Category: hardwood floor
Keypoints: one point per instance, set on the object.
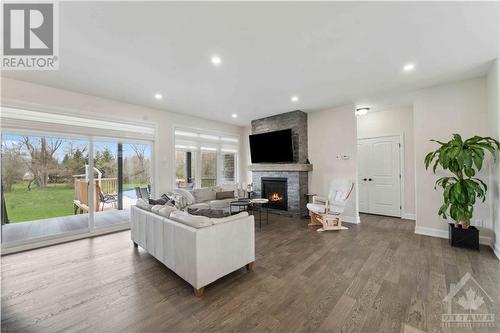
(375, 277)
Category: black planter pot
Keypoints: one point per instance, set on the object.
(466, 238)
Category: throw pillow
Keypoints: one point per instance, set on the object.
(143, 204)
(166, 211)
(230, 187)
(186, 194)
(204, 194)
(224, 195)
(169, 200)
(160, 201)
(156, 208)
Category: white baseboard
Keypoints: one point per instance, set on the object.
(433, 232)
(409, 216)
(351, 219)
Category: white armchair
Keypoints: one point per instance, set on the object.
(334, 204)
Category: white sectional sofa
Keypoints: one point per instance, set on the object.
(206, 197)
(200, 253)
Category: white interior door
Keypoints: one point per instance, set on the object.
(379, 176)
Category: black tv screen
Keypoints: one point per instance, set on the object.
(272, 147)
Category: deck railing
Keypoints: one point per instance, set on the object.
(105, 185)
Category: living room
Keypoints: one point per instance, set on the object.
(252, 167)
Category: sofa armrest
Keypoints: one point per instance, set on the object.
(224, 248)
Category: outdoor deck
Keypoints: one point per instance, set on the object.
(26, 231)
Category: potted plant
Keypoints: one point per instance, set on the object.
(464, 159)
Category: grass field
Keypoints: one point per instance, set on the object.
(23, 205)
(53, 201)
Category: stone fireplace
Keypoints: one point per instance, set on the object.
(284, 184)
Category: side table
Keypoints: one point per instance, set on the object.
(261, 203)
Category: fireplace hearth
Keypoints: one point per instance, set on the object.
(276, 190)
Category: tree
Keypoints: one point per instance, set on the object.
(105, 162)
(74, 162)
(139, 164)
(42, 163)
(13, 168)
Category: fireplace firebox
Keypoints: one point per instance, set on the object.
(276, 190)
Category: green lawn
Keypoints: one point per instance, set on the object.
(53, 201)
(23, 205)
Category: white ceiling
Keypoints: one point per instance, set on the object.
(325, 53)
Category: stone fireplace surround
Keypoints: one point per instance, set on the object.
(296, 173)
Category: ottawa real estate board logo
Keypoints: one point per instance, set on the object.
(30, 36)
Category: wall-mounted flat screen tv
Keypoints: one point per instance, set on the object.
(272, 147)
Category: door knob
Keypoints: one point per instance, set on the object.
(364, 179)
(369, 179)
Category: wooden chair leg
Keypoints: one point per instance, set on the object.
(198, 292)
(250, 266)
(314, 220)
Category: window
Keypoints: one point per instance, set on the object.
(184, 169)
(228, 167)
(208, 168)
(204, 159)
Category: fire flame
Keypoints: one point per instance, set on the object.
(275, 197)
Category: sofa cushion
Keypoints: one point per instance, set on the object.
(166, 210)
(201, 205)
(229, 218)
(204, 194)
(224, 195)
(143, 204)
(212, 213)
(220, 204)
(190, 220)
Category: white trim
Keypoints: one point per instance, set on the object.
(63, 239)
(351, 219)
(440, 233)
(409, 216)
(46, 120)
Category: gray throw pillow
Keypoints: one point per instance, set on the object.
(224, 195)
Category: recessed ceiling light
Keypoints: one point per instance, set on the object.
(234, 115)
(361, 111)
(216, 60)
(409, 67)
(295, 99)
(158, 96)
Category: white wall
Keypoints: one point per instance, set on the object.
(440, 111)
(493, 86)
(34, 96)
(395, 121)
(332, 132)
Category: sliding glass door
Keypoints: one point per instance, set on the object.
(56, 185)
(42, 189)
(137, 172)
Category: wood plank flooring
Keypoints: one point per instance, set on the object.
(375, 277)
